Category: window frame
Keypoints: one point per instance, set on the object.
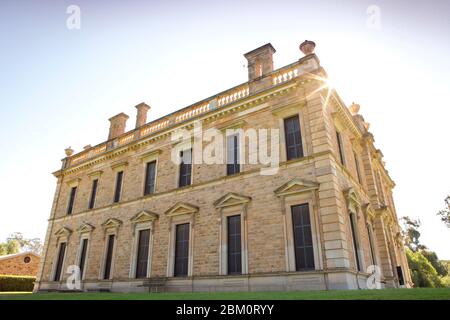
(72, 198)
(299, 199)
(56, 261)
(302, 147)
(80, 255)
(238, 148)
(191, 180)
(118, 189)
(93, 195)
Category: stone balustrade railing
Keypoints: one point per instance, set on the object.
(233, 95)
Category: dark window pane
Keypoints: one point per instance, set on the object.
(233, 155)
(118, 191)
(355, 241)
(358, 173)
(84, 245)
(150, 178)
(185, 168)
(73, 193)
(181, 250)
(340, 147)
(372, 248)
(401, 281)
(60, 261)
(234, 245)
(109, 254)
(142, 254)
(303, 245)
(294, 148)
(93, 194)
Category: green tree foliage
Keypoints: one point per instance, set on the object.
(9, 247)
(426, 269)
(33, 245)
(422, 271)
(439, 266)
(445, 214)
(17, 242)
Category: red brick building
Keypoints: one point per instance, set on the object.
(21, 264)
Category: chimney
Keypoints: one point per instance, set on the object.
(141, 117)
(117, 127)
(260, 61)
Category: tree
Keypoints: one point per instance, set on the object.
(411, 234)
(423, 273)
(445, 214)
(16, 242)
(9, 247)
(437, 264)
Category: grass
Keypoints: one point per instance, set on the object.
(385, 294)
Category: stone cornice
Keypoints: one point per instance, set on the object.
(252, 100)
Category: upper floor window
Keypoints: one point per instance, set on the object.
(119, 182)
(185, 168)
(93, 193)
(233, 165)
(150, 175)
(340, 147)
(294, 148)
(358, 173)
(73, 193)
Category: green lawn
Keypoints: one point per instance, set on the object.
(385, 294)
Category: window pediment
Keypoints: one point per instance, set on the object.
(63, 232)
(353, 201)
(144, 216)
(85, 227)
(181, 208)
(111, 223)
(296, 185)
(231, 199)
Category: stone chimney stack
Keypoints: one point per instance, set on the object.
(141, 117)
(118, 124)
(260, 61)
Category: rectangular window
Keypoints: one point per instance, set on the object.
(93, 194)
(358, 173)
(142, 253)
(150, 171)
(181, 250)
(60, 261)
(109, 256)
(118, 191)
(401, 280)
(233, 155)
(185, 168)
(234, 245)
(84, 245)
(294, 148)
(340, 147)
(371, 244)
(355, 241)
(73, 193)
(303, 245)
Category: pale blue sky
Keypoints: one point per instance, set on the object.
(58, 87)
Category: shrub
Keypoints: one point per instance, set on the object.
(16, 283)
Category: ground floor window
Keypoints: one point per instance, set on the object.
(234, 245)
(181, 250)
(303, 243)
(60, 261)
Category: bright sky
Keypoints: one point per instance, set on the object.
(58, 86)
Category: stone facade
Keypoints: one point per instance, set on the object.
(341, 183)
(20, 264)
